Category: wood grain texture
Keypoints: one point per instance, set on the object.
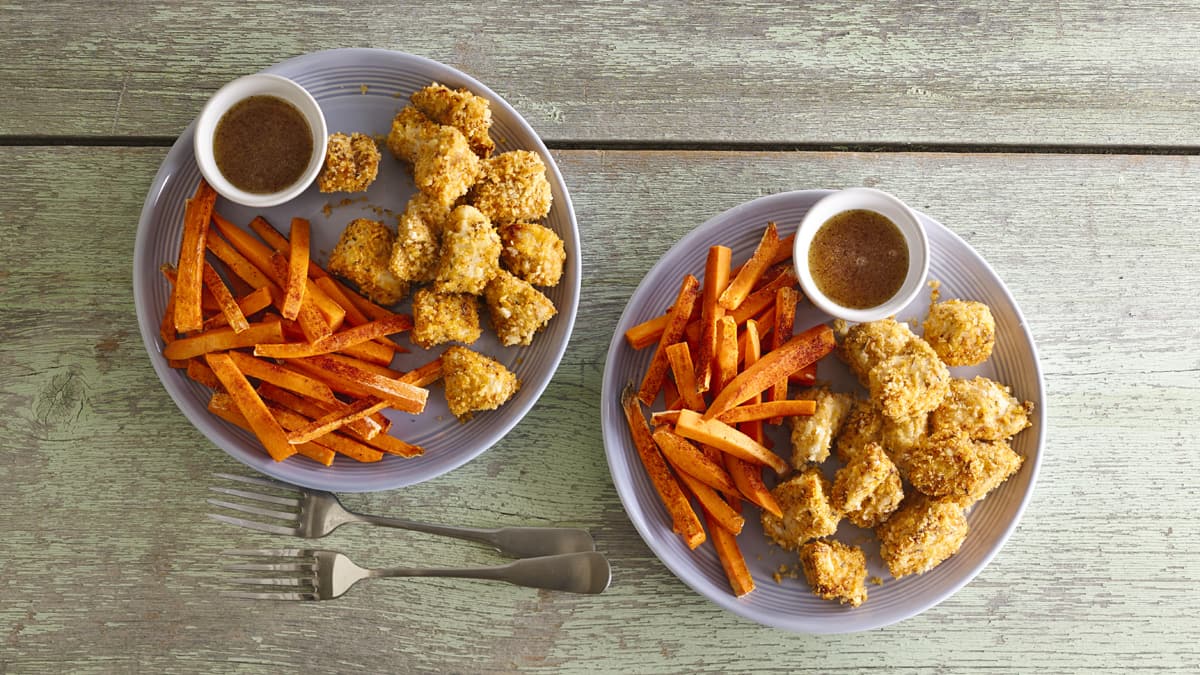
(107, 563)
(1075, 72)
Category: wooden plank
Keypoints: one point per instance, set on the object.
(1082, 72)
(108, 563)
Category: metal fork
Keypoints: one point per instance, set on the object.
(318, 513)
(310, 574)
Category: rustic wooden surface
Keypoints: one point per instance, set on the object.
(106, 560)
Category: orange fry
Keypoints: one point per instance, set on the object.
(794, 354)
(368, 366)
(680, 311)
(740, 287)
(685, 375)
(261, 421)
(686, 458)
(196, 215)
(222, 406)
(425, 375)
(716, 279)
(311, 321)
(646, 333)
(297, 269)
(762, 411)
(726, 363)
(731, 557)
(785, 319)
(365, 428)
(281, 376)
(198, 371)
(354, 315)
(339, 341)
(358, 382)
(229, 307)
(727, 439)
(711, 501)
(806, 376)
(344, 445)
(239, 264)
(336, 420)
(249, 304)
(764, 297)
(221, 339)
(395, 446)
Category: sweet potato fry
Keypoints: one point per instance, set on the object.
(222, 406)
(339, 341)
(394, 446)
(364, 305)
(249, 304)
(711, 501)
(190, 270)
(680, 359)
(340, 444)
(785, 318)
(646, 333)
(764, 297)
(368, 366)
(358, 382)
(221, 339)
(806, 376)
(297, 269)
(239, 264)
(354, 315)
(261, 421)
(680, 311)
(762, 411)
(794, 354)
(365, 428)
(281, 376)
(336, 420)
(783, 252)
(425, 375)
(740, 287)
(746, 476)
(200, 372)
(229, 307)
(686, 458)
(310, 320)
(731, 557)
(683, 518)
(727, 439)
(750, 356)
(716, 279)
(726, 362)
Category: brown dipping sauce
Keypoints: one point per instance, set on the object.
(262, 144)
(858, 259)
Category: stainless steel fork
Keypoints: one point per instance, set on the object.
(310, 574)
(313, 513)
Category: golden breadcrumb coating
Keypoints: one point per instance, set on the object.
(868, 489)
(443, 165)
(835, 571)
(984, 409)
(470, 253)
(513, 188)
(807, 513)
(863, 426)
(813, 434)
(460, 109)
(962, 332)
(473, 382)
(518, 310)
(533, 252)
(444, 317)
(866, 344)
(418, 239)
(922, 534)
(909, 383)
(361, 257)
(351, 164)
(953, 465)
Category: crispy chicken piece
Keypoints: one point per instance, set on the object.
(518, 310)
(513, 188)
(909, 383)
(473, 382)
(953, 465)
(835, 571)
(470, 253)
(351, 164)
(444, 317)
(807, 513)
(863, 426)
(460, 109)
(418, 239)
(984, 409)
(868, 489)
(922, 534)
(533, 252)
(443, 165)
(866, 344)
(361, 257)
(962, 332)
(812, 435)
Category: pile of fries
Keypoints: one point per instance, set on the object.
(739, 326)
(318, 351)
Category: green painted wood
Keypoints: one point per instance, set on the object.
(107, 563)
(1078, 72)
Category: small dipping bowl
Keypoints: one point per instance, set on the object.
(890, 207)
(237, 91)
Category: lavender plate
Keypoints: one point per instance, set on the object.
(788, 603)
(360, 90)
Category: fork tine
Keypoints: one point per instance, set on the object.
(269, 513)
(270, 499)
(283, 581)
(264, 482)
(269, 596)
(271, 567)
(250, 524)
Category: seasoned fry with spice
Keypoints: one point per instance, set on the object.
(513, 188)
(962, 332)
(351, 164)
(835, 571)
(473, 382)
(361, 257)
(807, 513)
(461, 109)
(812, 436)
(444, 317)
(533, 252)
(518, 310)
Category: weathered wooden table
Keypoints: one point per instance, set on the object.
(1058, 141)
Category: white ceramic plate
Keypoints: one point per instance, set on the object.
(790, 604)
(360, 90)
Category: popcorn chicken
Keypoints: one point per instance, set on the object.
(351, 164)
(953, 465)
(513, 188)
(533, 252)
(962, 332)
(911, 382)
(444, 317)
(812, 435)
(518, 310)
(866, 344)
(863, 426)
(361, 257)
(984, 409)
(868, 488)
(473, 382)
(418, 239)
(443, 165)
(807, 514)
(921, 535)
(470, 253)
(461, 109)
(835, 571)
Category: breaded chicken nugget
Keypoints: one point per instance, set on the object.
(863, 426)
(473, 382)
(444, 317)
(351, 164)
(513, 188)
(922, 534)
(866, 344)
(835, 571)
(868, 489)
(533, 252)
(953, 465)
(470, 253)
(361, 257)
(418, 239)
(443, 165)
(911, 382)
(460, 109)
(518, 310)
(962, 332)
(984, 409)
(812, 435)
(807, 514)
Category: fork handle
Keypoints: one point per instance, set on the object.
(586, 572)
(517, 542)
